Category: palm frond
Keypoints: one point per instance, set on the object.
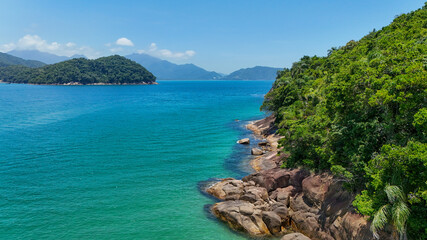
(400, 214)
(394, 193)
(380, 219)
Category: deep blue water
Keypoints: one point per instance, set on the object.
(120, 162)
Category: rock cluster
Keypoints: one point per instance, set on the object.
(272, 201)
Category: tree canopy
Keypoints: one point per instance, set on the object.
(110, 70)
(361, 113)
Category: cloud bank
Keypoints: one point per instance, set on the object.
(165, 53)
(34, 42)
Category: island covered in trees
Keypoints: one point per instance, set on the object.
(361, 113)
(80, 71)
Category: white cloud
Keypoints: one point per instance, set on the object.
(124, 42)
(70, 44)
(34, 42)
(166, 53)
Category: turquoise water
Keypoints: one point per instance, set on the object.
(120, 162)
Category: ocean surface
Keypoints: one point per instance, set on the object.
(120, 162)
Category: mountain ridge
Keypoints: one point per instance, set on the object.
(10, 60)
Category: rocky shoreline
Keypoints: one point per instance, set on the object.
(294, 203)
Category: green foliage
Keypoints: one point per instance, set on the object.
(396, 212)
(361, 113)
(111, 70)
(403, 166)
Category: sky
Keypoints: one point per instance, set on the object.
(218, 35)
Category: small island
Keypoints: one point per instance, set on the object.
(112, 70)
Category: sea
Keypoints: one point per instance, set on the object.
(121, 162)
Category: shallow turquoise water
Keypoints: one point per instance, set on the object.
(120, 162)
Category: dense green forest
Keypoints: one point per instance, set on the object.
(361, 113)
(109, 70)
(9, 60)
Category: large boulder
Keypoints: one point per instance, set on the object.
(267, 161)
(256, 151)
(241, 216)
(295, 236)
(227, 189)
(315, 188)
(244, 141)
(264, 126)
(283, 195)
(254, 194)
(273, 222)
(278, 178)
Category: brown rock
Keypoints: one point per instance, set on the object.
(256, 151)
(227, 189)
(281, 210)
(244, 141)
(230, 212)
(264, 126)
(273, 221)
(277, 178)
(295, 236)
(315, 188)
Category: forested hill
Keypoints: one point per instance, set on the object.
(255, 73)
(361, 113)
(9, 60)
(106, 70)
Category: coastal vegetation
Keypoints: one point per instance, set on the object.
(106, 70)
(361, 113)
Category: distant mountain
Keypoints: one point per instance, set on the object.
(166, 70)
(255, 73)
(41, 56)
(106, 70)
(9, 60)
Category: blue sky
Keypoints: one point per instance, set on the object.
(217, 35)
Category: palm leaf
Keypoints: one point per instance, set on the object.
(394, 193)
(380, 219)
(400, 214)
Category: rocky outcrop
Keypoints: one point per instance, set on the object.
(263, 127)
(269, 202)
(273, 201)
